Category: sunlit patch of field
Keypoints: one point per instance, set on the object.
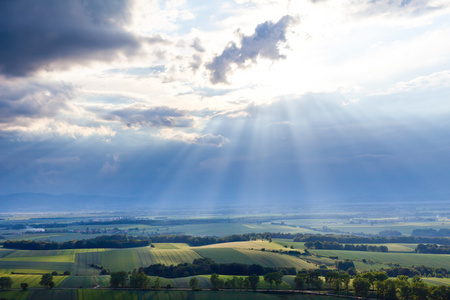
(170, 246)
(264, 258)
(271, 259)
(42, 266)
(246, 245)
(53, 258)
(33, 280)
(436, 281)
(288, 243)
(175, 256)
(76, 251)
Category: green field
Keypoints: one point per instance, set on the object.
(174, 256)
(119, 260)
(264, 258)
(436, 281)
(85, 281)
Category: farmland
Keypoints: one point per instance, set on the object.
(84, 265)
(92, 294)
(404, 259)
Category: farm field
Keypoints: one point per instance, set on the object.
(264, 258)
(85, 281)
(436, 281)
(404, 259)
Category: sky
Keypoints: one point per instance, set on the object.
(226, 102)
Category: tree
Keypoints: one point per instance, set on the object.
(118, 279)
(246, 283)
(253, 279)
(216, 282)
(240, 282)
(361, 286)
(278, 279)
(51, 285)
(419, 288)
(24, 286)
(299, 281)
(139, 281)
(404, 287)
(46, 280)
(346, 281)
(269, 278)
(157, 283)
(193, 283)
(5, 282)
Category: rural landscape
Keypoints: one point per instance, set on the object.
(228, 149)
(322, 254)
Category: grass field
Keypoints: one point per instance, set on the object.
(43, 267)
(175, 256)
(289, 243)
(437, 281)
(85, 281)
(225, 255)
(52, 258)
(247, 245)
(119, 260)
(264, 258)
(83, 260)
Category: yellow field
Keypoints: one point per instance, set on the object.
(256, 245)
(54, 258)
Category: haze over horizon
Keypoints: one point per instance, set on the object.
(226, 102)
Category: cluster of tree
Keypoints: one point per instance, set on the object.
(351, 247)
(103, 270)
(105, 241)
(201, 241)
(430, 232)
(137, 280)
(398, 288)
(354, 239)
(346, 265)
(246, 283)
(390, 233)
(416, 271)
(309, 280)
(208, 266)
(433, 248)
(47, 281)
(5, 282)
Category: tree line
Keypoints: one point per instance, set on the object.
(338, 246)
(430, 232)
(433, 248)
(105, 241)
(354, 239)
(203, 266)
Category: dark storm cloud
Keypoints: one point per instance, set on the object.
(162, 116)
(262, 43)
(37, 34)
(32, 100)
